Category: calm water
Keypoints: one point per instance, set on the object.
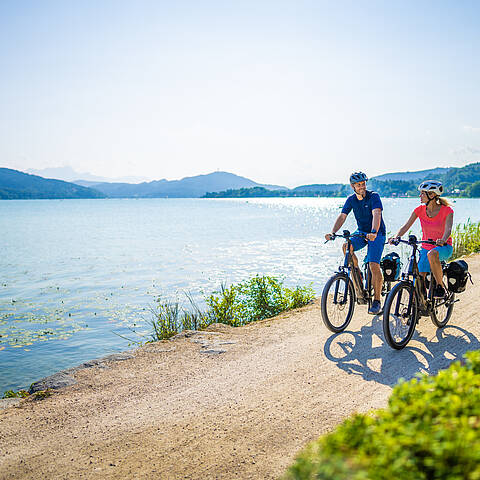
(76, 274)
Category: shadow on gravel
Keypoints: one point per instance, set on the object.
(366, 353)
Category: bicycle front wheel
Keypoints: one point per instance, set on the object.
(338, 303)
(400, 315)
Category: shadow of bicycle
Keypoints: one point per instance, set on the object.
(366, 353)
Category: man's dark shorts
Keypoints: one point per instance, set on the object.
(374, 249)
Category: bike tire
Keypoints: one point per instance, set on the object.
(398, 324)
(440, 317)
(342, 311)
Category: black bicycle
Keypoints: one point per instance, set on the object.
(411, 298)
(345, 288)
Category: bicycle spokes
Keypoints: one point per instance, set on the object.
(338, 302)
(400, 314)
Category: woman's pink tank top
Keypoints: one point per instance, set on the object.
(433, 228)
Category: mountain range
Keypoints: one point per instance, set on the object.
(188, 187)
(16, 185)
(20, 185)
(68, 174)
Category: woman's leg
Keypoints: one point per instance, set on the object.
(436, 266)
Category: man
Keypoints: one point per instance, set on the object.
(367, 208)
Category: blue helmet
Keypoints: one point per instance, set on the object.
(358, 177)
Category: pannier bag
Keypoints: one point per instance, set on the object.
(457, 276)
(391, 266)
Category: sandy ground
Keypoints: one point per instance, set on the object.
(175, 412)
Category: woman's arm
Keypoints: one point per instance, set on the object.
(448, 229)
(407, 225)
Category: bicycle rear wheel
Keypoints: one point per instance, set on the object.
(400, 315)
(338, 302)
(442, 310)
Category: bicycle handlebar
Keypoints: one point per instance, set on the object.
(412, 240)
(346, 235)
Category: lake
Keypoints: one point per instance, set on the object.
(79, 275)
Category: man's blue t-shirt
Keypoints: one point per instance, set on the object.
(362, 209)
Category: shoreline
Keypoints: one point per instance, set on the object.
(223, 403)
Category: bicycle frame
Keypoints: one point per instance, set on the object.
(419, 288)
(352, 272)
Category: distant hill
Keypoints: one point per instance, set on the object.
(460, 178)
(316, 190)
(456, 180)
(68, 174)
(462, 181)
(188, 187)
(320, 188)
(432, 173)
(19, 185)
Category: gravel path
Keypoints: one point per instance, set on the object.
(228, 403)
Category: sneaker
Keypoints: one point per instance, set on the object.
(375, 307)
(439, 291)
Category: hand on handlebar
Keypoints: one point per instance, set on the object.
(440, 242)
(371, 236)
(329, 236)
(394, 240)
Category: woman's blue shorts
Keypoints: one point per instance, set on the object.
(374, 250)
(444, 253)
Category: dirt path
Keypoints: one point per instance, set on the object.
(175, 412)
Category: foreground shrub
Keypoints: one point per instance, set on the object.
(249, 301)
(466, 239)
(430, 430)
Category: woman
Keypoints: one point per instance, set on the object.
(436, 219)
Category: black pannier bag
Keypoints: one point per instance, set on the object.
(391, 266)
(457, 275)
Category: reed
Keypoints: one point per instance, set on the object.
(466, 239)
(252, 300)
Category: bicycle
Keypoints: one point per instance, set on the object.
(345, 288)
(411, 298)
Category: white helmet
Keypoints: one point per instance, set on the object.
(433, 186)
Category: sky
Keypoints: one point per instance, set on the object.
(286, 93)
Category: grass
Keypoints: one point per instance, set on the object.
(466, 239)
(238, 304)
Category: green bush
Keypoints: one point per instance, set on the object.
(430, 430)
(255, 299)
(466, 239)
(226, 307)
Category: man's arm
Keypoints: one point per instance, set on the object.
(377, 218)
(336, 226)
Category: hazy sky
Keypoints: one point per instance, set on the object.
(281, 92)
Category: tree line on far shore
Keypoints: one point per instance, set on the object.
(458, 182)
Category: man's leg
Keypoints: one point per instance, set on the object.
(377, 279)
(352, 252)
(374, 255)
